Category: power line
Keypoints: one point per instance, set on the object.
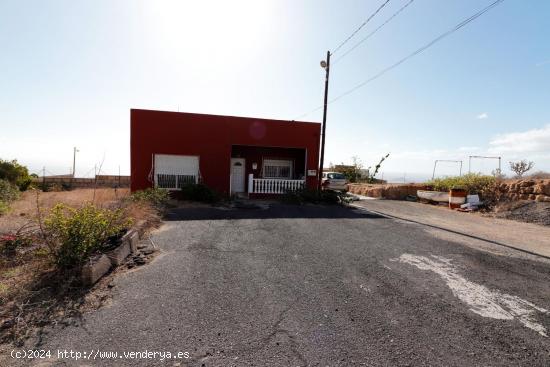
(420, 50)
(374, 31)
(361, 26)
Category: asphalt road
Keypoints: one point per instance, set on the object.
(320, 286)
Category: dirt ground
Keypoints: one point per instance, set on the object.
(32, 293)
(524, 211)
(527, 237)
(24, 210)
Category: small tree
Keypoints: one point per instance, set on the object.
(371, 176)
(520, 167)
(351, 172)
(15, 173)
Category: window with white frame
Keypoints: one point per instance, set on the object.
(173, 171)
(277, 168)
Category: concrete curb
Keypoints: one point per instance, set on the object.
(120, 253)
(132, 237)
(96, 268)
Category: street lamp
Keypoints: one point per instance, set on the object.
(325, 65)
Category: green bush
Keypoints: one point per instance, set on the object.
(474, 183)
(15, 173)
(155, 196)
(75, 234)
(3, 208)
(199, 192)
(8, 193)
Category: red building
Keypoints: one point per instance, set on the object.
(233, 155)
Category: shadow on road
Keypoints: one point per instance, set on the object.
(271, 212)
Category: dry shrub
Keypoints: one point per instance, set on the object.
(143, 212)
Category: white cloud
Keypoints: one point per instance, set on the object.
(530, 141)
(468, 149)
(482, 116)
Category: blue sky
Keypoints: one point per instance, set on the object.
(71, 70)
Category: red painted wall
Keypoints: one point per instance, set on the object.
(211, 137)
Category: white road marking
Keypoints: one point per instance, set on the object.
(482, 300)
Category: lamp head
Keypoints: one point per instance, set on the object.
(323, 64)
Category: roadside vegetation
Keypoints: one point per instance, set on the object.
(474, 183)
(8, 194)
(486, 186)
(46, 237)
(356, 173)
(14, 178)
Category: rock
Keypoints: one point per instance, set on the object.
(527, 190)
(532, 196)
(376, 192)
(132, 237)
(523, 197)
(540, 198)
(148, 251)
(527, 183)
(120, 253)
(7, 324)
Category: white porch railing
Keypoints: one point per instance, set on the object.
(273, 185)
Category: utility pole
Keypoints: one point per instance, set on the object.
(326, 66)
(74, 159)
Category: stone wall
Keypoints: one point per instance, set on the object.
(99, 181)
(529, 189)
(387, 191)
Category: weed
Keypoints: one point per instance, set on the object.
(474, 183)
(75, 234)
(154, 196)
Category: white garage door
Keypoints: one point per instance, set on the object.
(173, 171)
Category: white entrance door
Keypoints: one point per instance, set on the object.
(237, 175)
